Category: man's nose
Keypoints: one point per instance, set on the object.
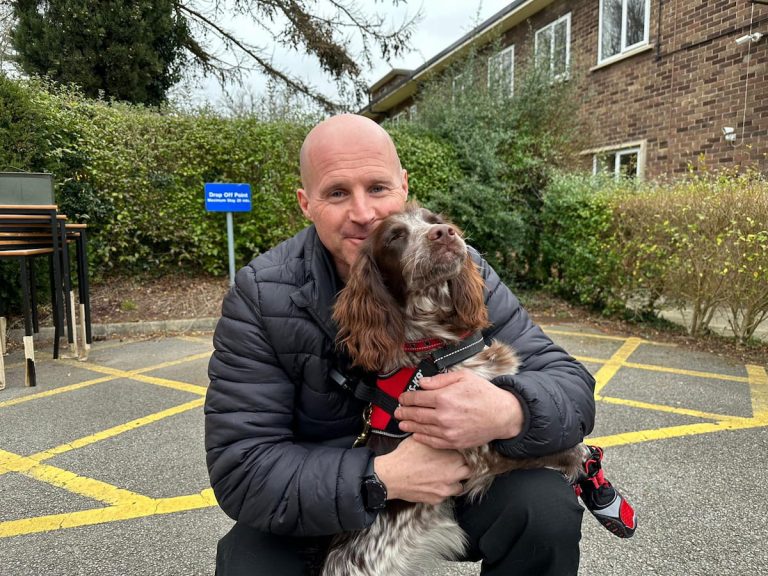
(361, 211)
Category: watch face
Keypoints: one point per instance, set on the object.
(374, 494)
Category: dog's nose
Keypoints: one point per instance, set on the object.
(441, 233)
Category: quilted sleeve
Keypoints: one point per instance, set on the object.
(259, 475)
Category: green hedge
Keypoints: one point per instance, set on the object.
(700, 244)
(136, 175)
(576, 249)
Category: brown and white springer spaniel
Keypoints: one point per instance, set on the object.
(415, 282)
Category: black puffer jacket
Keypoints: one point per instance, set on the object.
(278, 430)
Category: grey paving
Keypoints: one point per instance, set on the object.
(136, 424)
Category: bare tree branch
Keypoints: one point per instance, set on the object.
(328, 38)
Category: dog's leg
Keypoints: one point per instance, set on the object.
(399, 543)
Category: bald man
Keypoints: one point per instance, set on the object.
(279, 428)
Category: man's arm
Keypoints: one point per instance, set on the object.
(259, 475)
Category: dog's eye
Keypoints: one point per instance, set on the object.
(431, 218)
(395, 235)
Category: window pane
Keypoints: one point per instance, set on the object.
(496, 71)
(628, 165)
(603, 163)
(611, 21)
(635, 21)
(544, 47)
(560, 54)
(500, 71)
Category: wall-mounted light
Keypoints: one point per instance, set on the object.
(730, 133)
(754, 37)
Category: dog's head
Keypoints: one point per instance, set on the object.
(413, 279)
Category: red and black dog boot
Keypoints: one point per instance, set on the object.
(604, 501)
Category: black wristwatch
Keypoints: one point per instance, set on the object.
(373, 490)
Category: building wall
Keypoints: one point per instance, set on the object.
(675, 96)
(679, 95)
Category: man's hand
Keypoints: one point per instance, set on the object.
(416, 472)
(459, 410)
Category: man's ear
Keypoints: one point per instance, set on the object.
(303, 198)
(405, 182)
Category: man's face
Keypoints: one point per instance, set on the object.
(352, 180)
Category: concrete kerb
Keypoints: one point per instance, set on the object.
(102, 331)
(718, 325)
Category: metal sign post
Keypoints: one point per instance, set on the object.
(224, 197)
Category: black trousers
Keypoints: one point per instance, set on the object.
(528, 524)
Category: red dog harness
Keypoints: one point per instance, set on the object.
(383, 397)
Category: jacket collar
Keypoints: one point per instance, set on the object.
(318, 294)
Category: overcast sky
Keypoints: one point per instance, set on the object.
(442, 23)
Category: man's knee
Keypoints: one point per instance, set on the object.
(521, 509)
(245, 551)
(545, 501)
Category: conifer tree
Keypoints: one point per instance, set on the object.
(127, 50)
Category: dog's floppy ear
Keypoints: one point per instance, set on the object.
(467, 292)
(369, 320)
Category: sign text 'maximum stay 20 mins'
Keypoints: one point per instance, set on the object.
(226, 197)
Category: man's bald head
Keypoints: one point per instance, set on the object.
(347, 129)
(352, 179)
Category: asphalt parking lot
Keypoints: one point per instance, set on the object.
(102, 465)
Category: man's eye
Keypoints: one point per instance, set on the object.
(376, 189)
(336, 194)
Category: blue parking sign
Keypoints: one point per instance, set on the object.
(225, 197)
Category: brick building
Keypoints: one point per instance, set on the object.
(666, 81)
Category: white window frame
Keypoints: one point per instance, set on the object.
(413, 112)
(617, 154)
(498, 60)
(550, 28)
(459, 84)
(398, 118)
(624, 47)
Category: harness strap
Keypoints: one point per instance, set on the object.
(384, 393)
(451, 355)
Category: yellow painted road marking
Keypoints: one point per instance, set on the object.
(136, 375)
(126, 505)
(55, 391)
(601, 336)
(682, 372)
(69, 481)
(115, 373)
(668, 370)
(115, 430)
(582, 334)
(176, 362)
(758, 389)
(609, 369)
(196, 339)
(670, 409)
(150, 507)
(676, 431)
(590, 359)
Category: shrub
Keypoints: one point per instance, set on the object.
(703, 243)
(577, 226)
(136, 174)
(699, 244)
(506, 147)
(431, 163)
